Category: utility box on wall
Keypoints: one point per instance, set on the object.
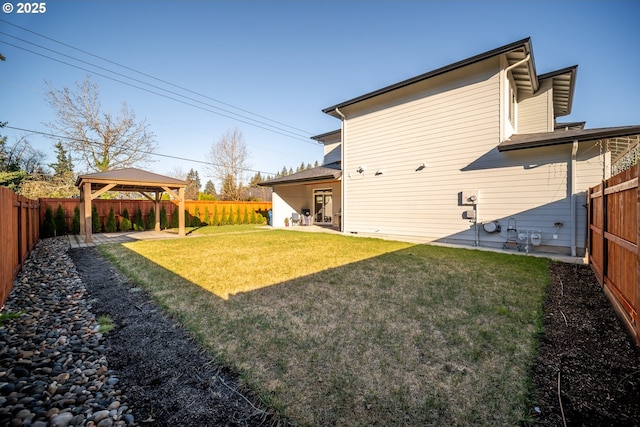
(468, 197)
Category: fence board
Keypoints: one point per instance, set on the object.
(132, 205)
(614, 237)
(19, 233)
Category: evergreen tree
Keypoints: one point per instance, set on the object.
(49, 224)
(245, 218)
(238, 218)
(175, 219)
(210, 189)
(223, 218)
(207, 216)
(111, 224)
(196, 221)
(152, 219)
(164, 221)
(216, 218)
(139, 222)
(125, 221)
(61, 223)
(64, 164)
(75, 221)
(193, 185)
(188, 219)
(96, 225)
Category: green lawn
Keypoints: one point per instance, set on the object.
(337, 330)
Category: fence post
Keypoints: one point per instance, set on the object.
(637, 284)
(605, 245)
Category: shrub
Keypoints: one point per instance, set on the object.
(164, 221)
(49, 225)
(96, 225)
(75, 221)
(224, 220)
(253, 219)
(125, 224)
(238, 217)
(207, 216)
(245, 217)
(216, 217)
(139, 224)
(187, 219)
(111, 225)
(125, 214)
(152, 219)
(175, 220)
(61, 223)
(195, 221)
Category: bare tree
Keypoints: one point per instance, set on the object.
(228, 159)
(101, 140)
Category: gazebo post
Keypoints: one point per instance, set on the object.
(86, 198)
(181, 231)
(157, 208)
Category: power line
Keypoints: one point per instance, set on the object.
(137, 80)
(229, 114)
(159, 94)
(52, 135)
(152, 77)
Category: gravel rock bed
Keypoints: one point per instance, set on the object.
(53, 365)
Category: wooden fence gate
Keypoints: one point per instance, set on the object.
(614, 237)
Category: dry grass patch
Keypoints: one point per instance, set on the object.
(336, 330)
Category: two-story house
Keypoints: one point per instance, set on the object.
(470, 153)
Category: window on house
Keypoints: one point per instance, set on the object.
(512, 104)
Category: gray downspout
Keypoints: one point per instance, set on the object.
(572, 189)
(343, 209)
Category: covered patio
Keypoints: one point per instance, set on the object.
(149, 184)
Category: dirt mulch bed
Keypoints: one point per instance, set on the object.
(586, 353)
(167, 377)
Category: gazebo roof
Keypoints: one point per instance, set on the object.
(130, 179)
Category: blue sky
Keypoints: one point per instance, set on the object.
(287, 60)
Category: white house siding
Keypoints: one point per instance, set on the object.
(455, 131)
(331, 152)
(535, 112)
(450, 128)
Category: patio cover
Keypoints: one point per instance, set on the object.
(91, 186)
(619, 140)
(330, 171)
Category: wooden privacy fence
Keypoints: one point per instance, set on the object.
(119, 205)
(614, 234)
(19, 233)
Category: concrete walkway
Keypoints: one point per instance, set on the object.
(77, 241)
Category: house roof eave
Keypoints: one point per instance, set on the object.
(624, 137)
(520, 44)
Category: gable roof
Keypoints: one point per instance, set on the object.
(524, 75)
(563, 82)
(624, 137)
(130, 179)
(519, 50)
(330, 171)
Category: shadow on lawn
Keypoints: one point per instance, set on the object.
(422, 334)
